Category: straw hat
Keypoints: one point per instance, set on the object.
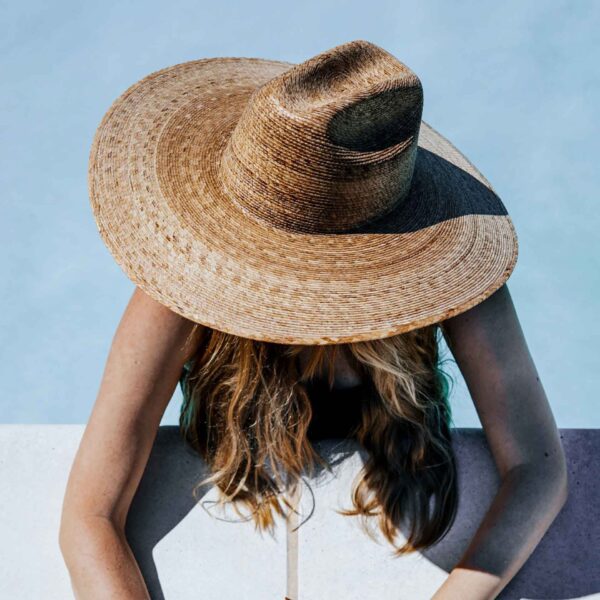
(295, 203)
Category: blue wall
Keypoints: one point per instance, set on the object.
(515, 85)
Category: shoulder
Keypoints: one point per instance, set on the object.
(488, 343)
(161, 326)
(494, 320)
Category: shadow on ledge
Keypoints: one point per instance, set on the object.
(564, 564)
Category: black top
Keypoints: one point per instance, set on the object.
(336, 412)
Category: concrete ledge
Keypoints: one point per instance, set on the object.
(184, 552)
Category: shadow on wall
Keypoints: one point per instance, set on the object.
(564, 564)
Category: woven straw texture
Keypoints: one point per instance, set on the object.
(295, 203)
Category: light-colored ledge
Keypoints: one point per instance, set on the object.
(185, 553)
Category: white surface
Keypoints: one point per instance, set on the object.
(34, 463)
(338, 560)
(201, 557)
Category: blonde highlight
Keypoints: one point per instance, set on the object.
(246, 412)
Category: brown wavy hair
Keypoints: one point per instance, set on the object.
(246, 412)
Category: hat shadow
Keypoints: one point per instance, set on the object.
(162, 500)
(560, 567)
(440, 191)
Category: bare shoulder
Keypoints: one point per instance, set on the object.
(490, 349)
(157, 324)
(492, 326)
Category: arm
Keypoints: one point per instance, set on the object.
(491, 352)
(143, 366)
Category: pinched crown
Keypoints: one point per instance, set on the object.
(328, 145)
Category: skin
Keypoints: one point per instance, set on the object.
(142, 371)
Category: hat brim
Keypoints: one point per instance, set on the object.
(161, 210)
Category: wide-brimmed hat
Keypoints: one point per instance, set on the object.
(296, 203)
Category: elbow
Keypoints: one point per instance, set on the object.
(83, 522)
(563, 485)
(545, 479)
(557, 472)
(558, 481)
(78, 530)
(558, 492)
(69, 531)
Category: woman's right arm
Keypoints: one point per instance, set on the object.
(141, 373)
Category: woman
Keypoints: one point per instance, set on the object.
(311, 306)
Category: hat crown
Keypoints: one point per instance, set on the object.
(328, 145)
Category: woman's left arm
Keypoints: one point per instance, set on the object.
(489, 347)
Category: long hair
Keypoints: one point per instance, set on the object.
(246, 412)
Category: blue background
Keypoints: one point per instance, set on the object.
(515, 85)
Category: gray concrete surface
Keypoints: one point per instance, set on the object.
(185, 553)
